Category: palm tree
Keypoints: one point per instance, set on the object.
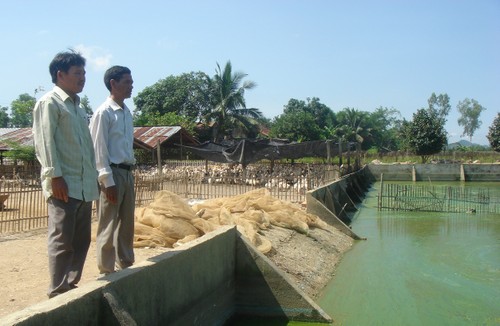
(352, 125)
(229, 113)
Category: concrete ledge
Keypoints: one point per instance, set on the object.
(204, 282)
(332, 201)
(435, 172)
(263, 290)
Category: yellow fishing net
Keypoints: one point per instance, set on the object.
(169, 220)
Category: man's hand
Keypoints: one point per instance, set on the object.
(60, 189)
(111, 194)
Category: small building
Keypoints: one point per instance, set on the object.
(162, 142)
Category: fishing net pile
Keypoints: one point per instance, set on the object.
(169, 220)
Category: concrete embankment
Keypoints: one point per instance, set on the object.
(434, 172)
(207, 281)
(333, 202)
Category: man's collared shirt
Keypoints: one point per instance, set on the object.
(112, 132)
(63, 145)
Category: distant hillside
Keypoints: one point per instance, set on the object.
(463, 143)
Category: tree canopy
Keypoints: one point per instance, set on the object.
(439, 107)
(219, 102)
(494, 134)
(186, 95)
(4, 117)
(20, 152)
(353, 126)
(385, 124)
(167, 119)
(303, 121)
(22, 111)
(228, 111)
(470, 111)
(426, 134)
(85, 104)
(296, 125)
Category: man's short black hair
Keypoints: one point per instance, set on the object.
(116, 73)
(63, 61)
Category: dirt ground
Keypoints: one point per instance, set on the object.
(308, 260)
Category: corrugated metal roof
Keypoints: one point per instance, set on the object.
(3, 131)
(144, 136)
(151, 135)
(23, 136)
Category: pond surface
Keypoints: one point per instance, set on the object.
(419, 268)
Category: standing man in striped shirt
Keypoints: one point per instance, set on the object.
(112, 132)
(69, 178)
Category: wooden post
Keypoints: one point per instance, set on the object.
(340, 153)
(381, 191)
(357, 161)
(348, 157)
(158, 154)
(181, 144)
(328, 154)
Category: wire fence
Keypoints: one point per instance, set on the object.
(23, 207)
(428, 198)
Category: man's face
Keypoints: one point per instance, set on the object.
(73, 81)
(123, 88)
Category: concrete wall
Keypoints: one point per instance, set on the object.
(264, 290)
(435, 172)
(334, 201)
(207, 281)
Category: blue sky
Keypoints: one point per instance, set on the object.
(357, 54)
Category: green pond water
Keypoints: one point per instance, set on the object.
(419, 268)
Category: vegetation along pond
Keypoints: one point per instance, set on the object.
(419, 268)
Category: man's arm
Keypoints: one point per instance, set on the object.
(45, 119)
(99, 130)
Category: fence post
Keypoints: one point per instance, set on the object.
(158, 154)
(328, 154)
(357, 160)
(348, 157)
(340, 153)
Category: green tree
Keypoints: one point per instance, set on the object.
(20, 152)
(229, 114)
(22, 111)
(470, 111)
(404, 135)
(439, 107)
(85, 104)
(185, 95)
(323, 118)
(323, 115)
(296, 126)
(426, 135)
(353, 126)
(494, 134)
(167, 119)
(384, 124)
(4, 117)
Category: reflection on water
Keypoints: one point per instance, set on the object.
(393, 224)
(418, 269)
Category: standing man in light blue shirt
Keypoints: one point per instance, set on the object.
(112, 132)
(69, 178)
